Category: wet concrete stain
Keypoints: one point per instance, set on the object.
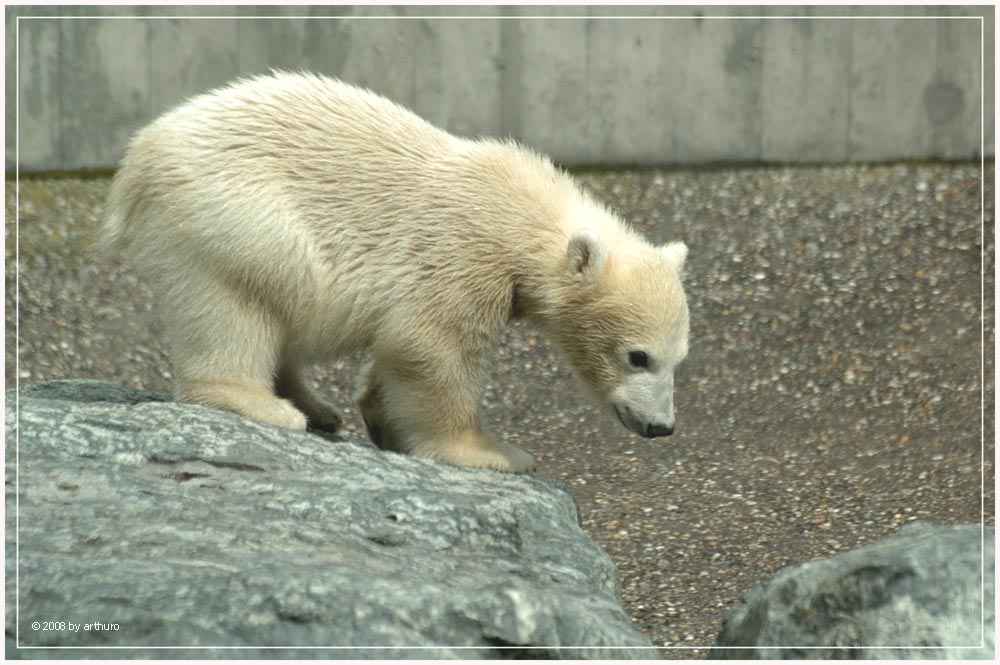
(743, 54)
(944, 102)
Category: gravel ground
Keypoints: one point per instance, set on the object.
(832, 392)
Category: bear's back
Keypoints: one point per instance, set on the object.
(271, 165)
(308, 191)
(296, 127)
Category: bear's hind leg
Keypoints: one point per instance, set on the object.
(321, 415)
(225, 351)
(433, 414)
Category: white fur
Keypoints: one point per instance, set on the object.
(290, 219)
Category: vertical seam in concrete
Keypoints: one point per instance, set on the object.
(507, 23)
(413, 34)
(61, 140)
(931, 131)
(762, 126)
(761, 30)
(587, 45)
(848, 157)
(982, 92)
(504, 65)
(938, 29)
(679, 72)
(239, 34)
(149, 66)
(981, 75)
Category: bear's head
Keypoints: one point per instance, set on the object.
(623, 323)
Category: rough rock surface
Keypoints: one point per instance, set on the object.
(189, 527)
(922, 587)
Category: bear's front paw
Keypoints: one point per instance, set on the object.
(504, 458)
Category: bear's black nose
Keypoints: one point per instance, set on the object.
(658, 430)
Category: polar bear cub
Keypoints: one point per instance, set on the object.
(289, 219)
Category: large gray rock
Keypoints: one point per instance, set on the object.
(916, 594)
(189, 527)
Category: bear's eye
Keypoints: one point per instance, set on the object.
(638, 359)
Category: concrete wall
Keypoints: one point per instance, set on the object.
(656, 90)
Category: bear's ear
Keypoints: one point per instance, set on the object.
(586, 255)
(675, 253)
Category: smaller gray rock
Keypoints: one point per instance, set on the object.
(917, 594)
